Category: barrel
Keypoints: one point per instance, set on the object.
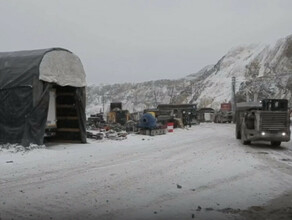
(170, 126)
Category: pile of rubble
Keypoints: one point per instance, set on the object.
(100, 134)
(108, 131)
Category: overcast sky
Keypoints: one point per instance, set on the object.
(141, 40)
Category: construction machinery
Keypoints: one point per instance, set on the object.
(96, 120)
(265, 121)
(148, 125)
(186, 113)
(117, 114)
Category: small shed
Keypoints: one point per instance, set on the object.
(206, 114)
(26, 81)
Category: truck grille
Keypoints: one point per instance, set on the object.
(274, 121)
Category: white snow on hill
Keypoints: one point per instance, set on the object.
(262, 69)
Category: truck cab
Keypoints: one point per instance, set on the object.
(265, 121)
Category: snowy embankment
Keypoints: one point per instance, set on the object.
(194, 173)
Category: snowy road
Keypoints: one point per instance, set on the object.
(201, 173)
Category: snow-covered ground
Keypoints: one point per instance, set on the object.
(202, 173)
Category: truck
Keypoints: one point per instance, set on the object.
(224, 115)
(268, 120)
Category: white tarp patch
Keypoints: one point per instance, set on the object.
(63, 68)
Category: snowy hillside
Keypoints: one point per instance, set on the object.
(262, 69)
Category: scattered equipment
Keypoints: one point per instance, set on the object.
(187, 113)
(117, 115)
(96, 120)
(148, 125)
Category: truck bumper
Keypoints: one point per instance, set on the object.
(282, 136)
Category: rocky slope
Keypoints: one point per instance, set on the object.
(264, 70)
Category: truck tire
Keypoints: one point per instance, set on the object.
(243, 140)
(275, 143)
(237, 134)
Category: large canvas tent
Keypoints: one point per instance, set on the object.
(26, 78)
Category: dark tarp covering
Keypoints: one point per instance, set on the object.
(24, 99)
(20, 68)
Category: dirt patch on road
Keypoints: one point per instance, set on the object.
(279, 208)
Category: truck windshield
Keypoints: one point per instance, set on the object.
(275, 104)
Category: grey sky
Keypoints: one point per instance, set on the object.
(141, 40)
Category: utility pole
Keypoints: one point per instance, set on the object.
(247, 95)
(135, 101)
(103, 101)
(155, 94)
(255, 97)
(105, 98)
(233, 101)
(171, 95)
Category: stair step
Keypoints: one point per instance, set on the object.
(67, 118)
(65, 94)
(65, 106)
(68, 129)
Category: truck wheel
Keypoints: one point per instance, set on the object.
(237, 135)
(243, 140)
(275, 143)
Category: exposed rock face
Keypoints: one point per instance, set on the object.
(265, 70)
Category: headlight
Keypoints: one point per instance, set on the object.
(263, 133)
(283, 134)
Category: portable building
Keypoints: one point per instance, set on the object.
(206, 114)
(27, 78)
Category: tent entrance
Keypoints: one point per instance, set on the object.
(67, 121)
